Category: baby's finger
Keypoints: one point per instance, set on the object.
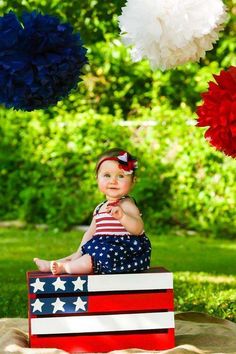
(108, 209)
(115, 211)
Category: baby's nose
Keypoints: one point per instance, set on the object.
(113, 179)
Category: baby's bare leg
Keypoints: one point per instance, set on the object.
(75, 256)
(81, 265)
(42, 264)
(45, 265)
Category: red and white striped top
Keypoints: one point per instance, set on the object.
(107, 225)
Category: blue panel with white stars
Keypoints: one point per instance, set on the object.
(58, 305)
(57, 285)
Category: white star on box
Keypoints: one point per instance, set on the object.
(37, 305)
(59, 284)
(79, 284)
(80, 304)
(58, 305)
(38, 285)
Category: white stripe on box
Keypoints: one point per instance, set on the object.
(102, 323)
(130, 282)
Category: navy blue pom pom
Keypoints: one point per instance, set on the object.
(41, 60)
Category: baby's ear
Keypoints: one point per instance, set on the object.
(134, 179)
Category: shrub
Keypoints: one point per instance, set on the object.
(47, 158)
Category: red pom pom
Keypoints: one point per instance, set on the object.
(218, 111)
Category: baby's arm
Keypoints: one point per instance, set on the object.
(45, 265)
(129, 216)
(88, 235)
(77, 261)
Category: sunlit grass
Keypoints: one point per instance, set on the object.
(204, 292)
(204, 268)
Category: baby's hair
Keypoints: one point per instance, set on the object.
(111, 153)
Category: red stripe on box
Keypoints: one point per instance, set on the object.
(131, 302)
(106, 342)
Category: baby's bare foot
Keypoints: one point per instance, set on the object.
(57, 267)
(43, 265)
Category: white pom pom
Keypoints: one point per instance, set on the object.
(171, 32)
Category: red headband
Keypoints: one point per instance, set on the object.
(125, 160)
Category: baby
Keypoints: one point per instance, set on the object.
(115, 241)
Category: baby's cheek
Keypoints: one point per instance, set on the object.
(101, 185)
(126, 185)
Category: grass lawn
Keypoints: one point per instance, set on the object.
(204, 268)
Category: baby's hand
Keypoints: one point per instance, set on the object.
(115, 211)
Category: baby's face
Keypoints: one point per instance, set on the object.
(112, 181)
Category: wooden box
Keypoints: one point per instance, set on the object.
(101, 313)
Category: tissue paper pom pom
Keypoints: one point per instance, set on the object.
(40, 60)
(169, 32)
(218, 111)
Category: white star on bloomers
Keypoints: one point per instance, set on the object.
(38, 285)
(79, 284)
(58, 305)
(59, 284)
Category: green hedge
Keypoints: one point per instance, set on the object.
(47, 174)
(47, 158)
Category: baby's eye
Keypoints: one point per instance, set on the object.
(121, 176)
(107, 175)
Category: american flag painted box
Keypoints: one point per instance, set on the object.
(101, 313)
